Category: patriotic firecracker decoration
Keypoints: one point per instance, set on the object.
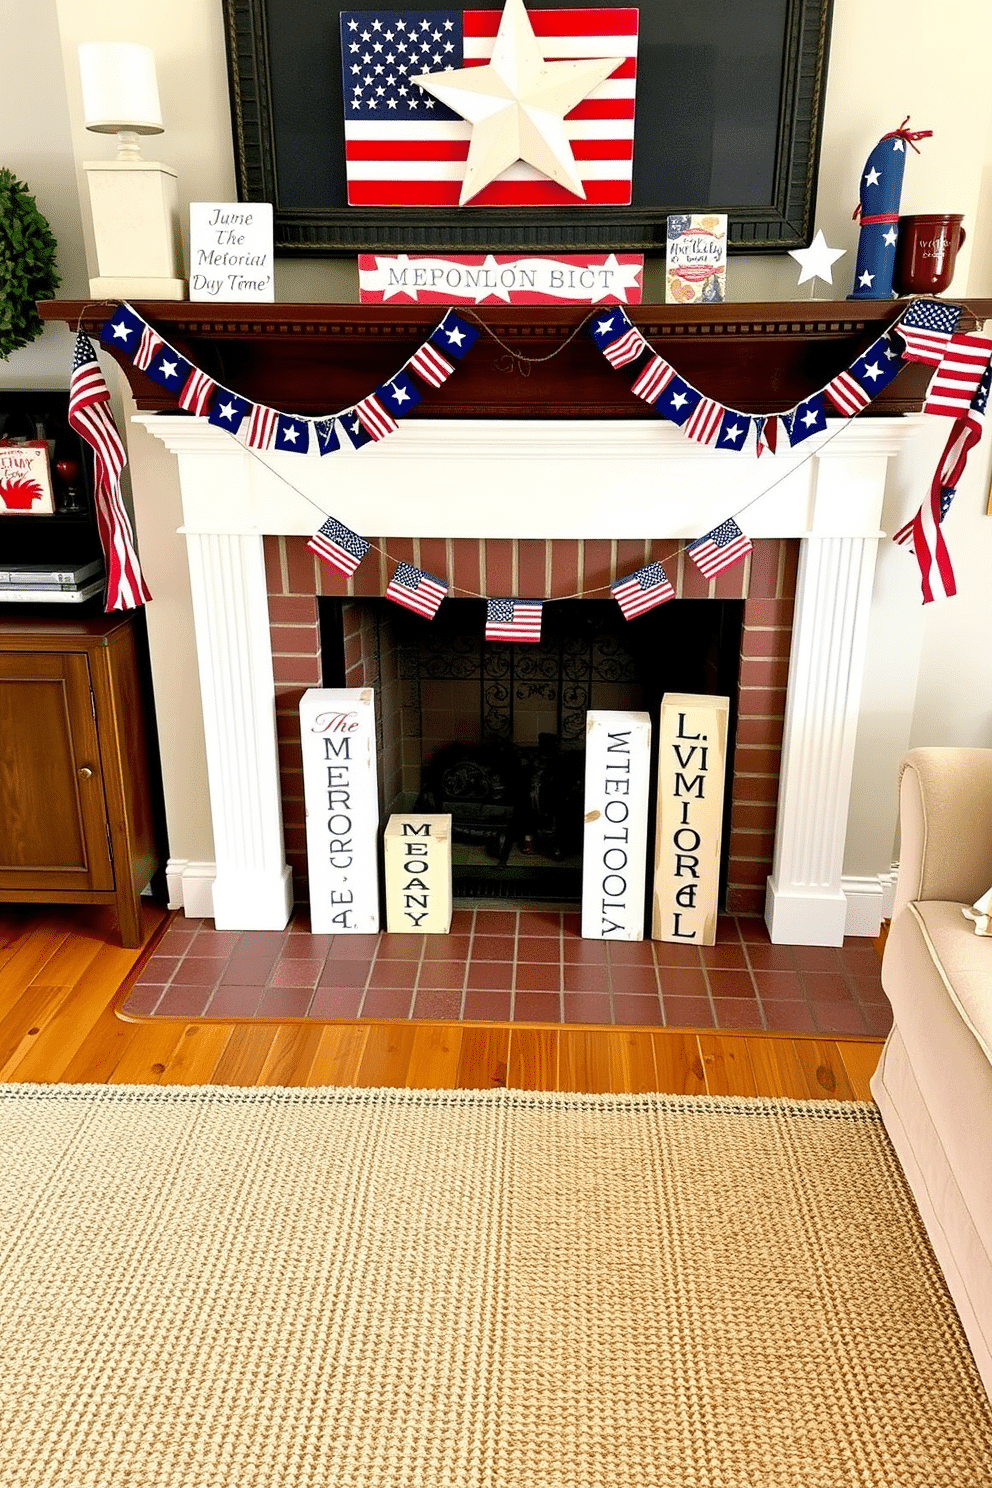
(513, 109)
(878, 209)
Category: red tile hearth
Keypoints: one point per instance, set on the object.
(530, 966)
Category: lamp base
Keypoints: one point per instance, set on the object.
(120, 288)
(135, 207)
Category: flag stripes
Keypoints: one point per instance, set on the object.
(626, 348)
(91, 418)
(653, 380)
(429, 364)
(374, 417)
(403, 149)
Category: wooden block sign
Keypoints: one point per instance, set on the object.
(692, 753)
(337, 729)
(615, 841)
(417, 852)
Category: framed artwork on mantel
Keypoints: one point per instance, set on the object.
(728, 119)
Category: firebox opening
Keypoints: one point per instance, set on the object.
(495, 733)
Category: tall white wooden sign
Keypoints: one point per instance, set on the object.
(692, 754)
(615, 840)
(417, 852)
(337, 729)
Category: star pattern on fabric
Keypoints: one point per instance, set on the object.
(517, 103)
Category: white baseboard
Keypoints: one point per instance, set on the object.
(869, 902)
(191, 887)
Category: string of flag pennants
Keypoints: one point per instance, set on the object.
(927, 331)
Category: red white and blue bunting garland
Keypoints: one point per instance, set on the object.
(924, 333)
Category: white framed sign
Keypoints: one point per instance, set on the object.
(337, 732)
(230, 251)
(615, 837)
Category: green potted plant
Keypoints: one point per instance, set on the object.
(27, 264)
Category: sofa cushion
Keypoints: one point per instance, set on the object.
(962, 960)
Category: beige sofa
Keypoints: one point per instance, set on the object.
(934, 1082)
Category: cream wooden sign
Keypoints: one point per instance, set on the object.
(230, 251)
(337, 730)
(417, 852)
(615, 839)
(692, 754)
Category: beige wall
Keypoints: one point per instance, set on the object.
(886, 61)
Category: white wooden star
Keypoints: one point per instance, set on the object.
(517, 104)
(816, 260)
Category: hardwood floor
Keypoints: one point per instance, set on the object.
(62, 971)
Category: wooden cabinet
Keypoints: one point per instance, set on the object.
(78, 822)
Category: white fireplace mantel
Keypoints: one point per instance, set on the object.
(501, 478)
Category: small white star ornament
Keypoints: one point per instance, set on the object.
(516, 104)
(817, 260)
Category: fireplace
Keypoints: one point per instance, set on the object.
(540, 476)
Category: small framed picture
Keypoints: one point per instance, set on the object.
(25, 479)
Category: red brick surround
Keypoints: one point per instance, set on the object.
(557, 569)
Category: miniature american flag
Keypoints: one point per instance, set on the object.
(90, 416)
(337, 545)
(923, 534)
(416, 590)
(429, 364)
(513, 619)
(925, 328)
(642, 591)
(957, 379)
(405, 149)
(719, 549)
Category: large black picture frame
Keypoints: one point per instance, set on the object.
(254, 34)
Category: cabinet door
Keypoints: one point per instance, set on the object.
(53, 818)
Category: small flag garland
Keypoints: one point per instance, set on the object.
(926, 332)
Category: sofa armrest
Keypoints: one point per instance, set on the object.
(945, 823)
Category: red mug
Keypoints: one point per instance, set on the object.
(925, 253)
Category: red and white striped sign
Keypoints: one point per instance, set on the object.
(406, 158)
(501, 279)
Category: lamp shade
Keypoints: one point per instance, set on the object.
(120, 90)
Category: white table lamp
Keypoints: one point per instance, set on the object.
(135, 202)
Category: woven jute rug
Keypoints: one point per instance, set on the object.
(222, 1288)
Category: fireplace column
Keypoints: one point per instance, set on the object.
(253, 887)
(805, 902)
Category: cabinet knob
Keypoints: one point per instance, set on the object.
(85, 773)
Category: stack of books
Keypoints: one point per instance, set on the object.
(34, 583)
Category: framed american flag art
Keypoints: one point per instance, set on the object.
(714, 107)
